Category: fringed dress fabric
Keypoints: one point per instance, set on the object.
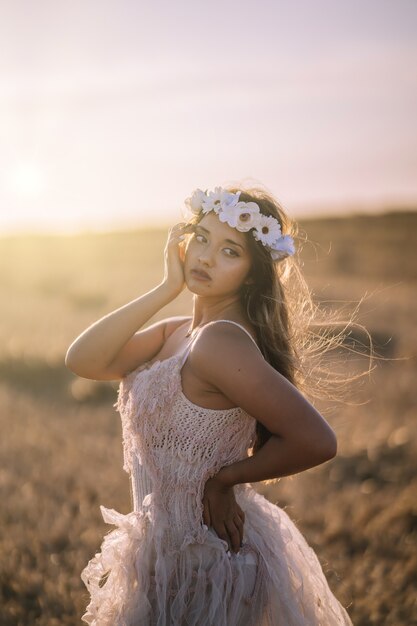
(161, 566)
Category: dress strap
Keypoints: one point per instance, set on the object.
(236, 324)
(188, 348)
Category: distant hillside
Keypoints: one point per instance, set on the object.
(382, 246)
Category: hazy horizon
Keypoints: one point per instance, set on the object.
(113, 113)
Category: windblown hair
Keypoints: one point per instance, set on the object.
(296, 336)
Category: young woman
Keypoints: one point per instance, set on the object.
(209, 404)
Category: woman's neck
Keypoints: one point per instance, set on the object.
(204, 312)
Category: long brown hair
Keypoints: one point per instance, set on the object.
(296, 336)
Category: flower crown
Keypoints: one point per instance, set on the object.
(243, 216)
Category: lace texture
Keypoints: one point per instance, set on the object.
(162, 566)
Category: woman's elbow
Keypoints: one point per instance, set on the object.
(328, 447)
(71, 362)
(75, 365)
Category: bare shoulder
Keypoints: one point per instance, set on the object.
(225, 357)
(223, 329)
(226, 348)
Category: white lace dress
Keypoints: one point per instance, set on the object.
(161, 566)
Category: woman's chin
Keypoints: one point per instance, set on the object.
(195, 288)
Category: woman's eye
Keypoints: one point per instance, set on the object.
(233, 252)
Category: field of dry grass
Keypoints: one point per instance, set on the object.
(61, 453)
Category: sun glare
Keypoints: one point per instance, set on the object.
(26, 180)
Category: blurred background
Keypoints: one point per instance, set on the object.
(111, 115)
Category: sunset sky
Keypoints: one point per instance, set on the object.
(113, 112)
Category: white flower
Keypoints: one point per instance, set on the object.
(212, 201)
(219, 200)
(268, 230)
(243, 215)
(228, 199)
(195, 202)
(284, 246)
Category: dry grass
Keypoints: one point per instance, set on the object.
(61, 453)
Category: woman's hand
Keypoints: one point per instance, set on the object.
(222, 513)
(174, 257)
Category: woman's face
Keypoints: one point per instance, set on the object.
(221, 252)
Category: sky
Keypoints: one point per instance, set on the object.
(112, 113)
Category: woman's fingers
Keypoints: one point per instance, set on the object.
(177, 233)
(222, 533)
(175, 256)
(232, 533)
(235, 530)
(181, 228)
(240, 522)
(177, 236)
(223, 514)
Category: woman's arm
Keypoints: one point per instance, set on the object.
(92, 354)
(302, 438)
(277, 457)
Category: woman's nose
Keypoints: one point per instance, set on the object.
(205, 257)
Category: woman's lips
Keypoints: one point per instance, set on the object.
(200, 276)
